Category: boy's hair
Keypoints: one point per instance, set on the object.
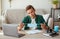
(29, 7)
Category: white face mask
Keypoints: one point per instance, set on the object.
(32, 26)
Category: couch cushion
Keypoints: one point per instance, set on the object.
(16, 15)
(46, 16)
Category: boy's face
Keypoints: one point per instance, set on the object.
(31, 12)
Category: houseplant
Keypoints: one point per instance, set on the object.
(55, 3)
(10, 2)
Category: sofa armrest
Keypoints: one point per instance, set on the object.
(4, 21)
(50, 23)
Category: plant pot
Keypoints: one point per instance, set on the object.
(55, 6)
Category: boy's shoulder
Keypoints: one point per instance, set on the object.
(39, 15)
(27, 17)
(36, 16)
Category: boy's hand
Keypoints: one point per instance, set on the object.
(43, 26)
(20, 26)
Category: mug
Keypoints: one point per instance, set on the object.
(56, 28)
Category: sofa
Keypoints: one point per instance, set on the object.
(15, 16)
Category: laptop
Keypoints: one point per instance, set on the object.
(11, 30)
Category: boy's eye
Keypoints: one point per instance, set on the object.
(31, 11)
(28, 13)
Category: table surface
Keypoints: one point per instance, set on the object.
(34, 36)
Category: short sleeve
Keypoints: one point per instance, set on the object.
(24, 20)
(42, 20)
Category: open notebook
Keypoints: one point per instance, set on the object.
(33, 31)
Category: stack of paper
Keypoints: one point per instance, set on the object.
(33, 31)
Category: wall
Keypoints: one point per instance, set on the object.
(0, 7)
(21, 4)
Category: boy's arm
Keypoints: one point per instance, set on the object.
(24, 21)
(20, 26)
(43, 24)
